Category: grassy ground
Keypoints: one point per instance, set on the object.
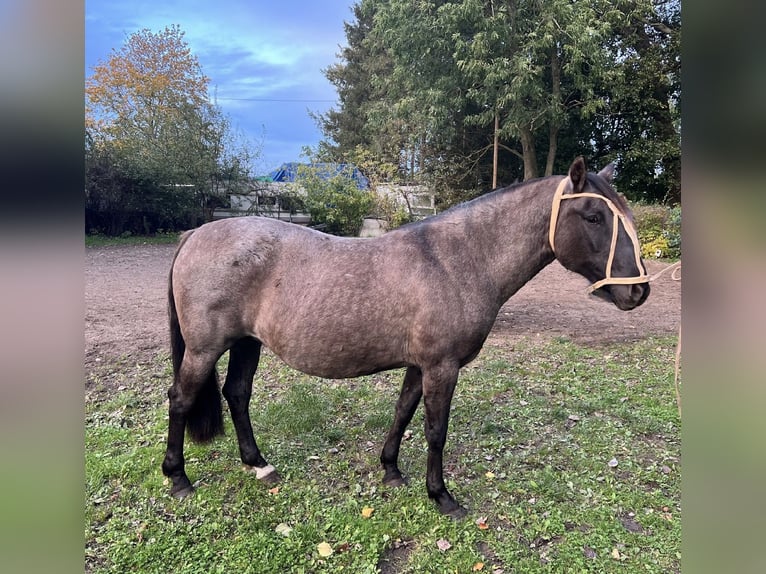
(98, 240)
(567, 457)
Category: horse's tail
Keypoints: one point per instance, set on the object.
(205, 418)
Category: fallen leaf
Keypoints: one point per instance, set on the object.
(324, 549)
(367, 512)
(283, 529)
(482, 523)
(615, 554)
(489, 474)
(443, 545)
(478, 566)
(274, 490)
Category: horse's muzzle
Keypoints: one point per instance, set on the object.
(624, 297)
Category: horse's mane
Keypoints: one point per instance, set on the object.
(599, 183)
(608, 191)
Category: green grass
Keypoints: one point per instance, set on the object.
(99, 240)
(532, 432)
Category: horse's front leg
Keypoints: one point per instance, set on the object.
(406, 405)
(438, 387)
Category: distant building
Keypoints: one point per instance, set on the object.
(265, 195)
(288, 172)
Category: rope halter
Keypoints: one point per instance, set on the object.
(618, 216)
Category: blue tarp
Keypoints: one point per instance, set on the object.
(289, 171)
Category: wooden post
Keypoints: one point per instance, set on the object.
(494, 150)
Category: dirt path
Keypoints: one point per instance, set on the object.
(126, 319)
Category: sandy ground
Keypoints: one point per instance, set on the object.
(126, 318)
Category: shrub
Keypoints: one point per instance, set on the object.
(659, 230)
(336, 202)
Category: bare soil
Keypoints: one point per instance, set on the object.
(126, 317)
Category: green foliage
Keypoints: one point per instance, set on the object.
(158, 154)
(659, 230)
(421, 83)
(335, 202)
(532, 433)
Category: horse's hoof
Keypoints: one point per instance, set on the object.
(395, 482)
(456, 513)
(267, 474)
(182, 493)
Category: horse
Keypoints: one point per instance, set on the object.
(423, 297)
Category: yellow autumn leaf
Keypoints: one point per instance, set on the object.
(478, 566)
(489, 474)
(324, 549)
(367, 512)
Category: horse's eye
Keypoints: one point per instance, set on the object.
(594, 218)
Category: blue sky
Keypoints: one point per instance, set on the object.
(264, 59)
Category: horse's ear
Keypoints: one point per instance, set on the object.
(578, 174)
(608, 172)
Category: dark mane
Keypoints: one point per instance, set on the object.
(608, 191)
(477, 202)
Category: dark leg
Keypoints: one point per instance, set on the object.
(412, 390)
(192, 375)
(243, 361)
(438, 387)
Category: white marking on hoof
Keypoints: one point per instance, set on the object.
(260, 473)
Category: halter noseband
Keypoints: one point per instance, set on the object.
(617, 216)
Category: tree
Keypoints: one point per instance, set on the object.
(148, 111)
(640, 125)
(514, 83)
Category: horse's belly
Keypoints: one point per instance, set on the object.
(338, 363)
(335, 356)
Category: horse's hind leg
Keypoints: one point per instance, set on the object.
(412, 390)
(194, 402)
(243, 362)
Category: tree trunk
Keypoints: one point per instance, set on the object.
(530, 156)
(553, 122)
(494, 150)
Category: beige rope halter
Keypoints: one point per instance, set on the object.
(618, 216)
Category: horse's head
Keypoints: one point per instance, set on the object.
(592, 233)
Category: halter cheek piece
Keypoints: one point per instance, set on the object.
(559, 196)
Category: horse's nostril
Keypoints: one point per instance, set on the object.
(641, 292)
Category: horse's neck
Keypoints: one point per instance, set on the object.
(509, 233)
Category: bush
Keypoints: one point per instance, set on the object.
(659, 230)
(337, 202)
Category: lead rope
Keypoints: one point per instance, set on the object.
(618, 216)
